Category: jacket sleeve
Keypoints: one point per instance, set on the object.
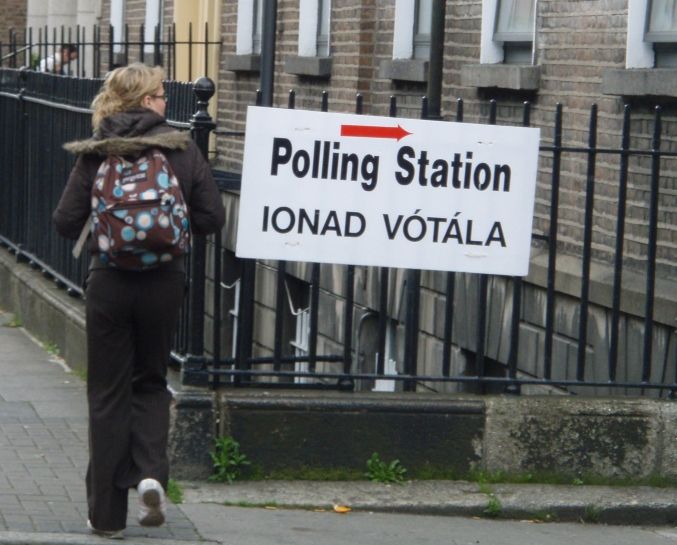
(74, 206)
(207, 214)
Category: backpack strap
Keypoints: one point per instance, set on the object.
(79, 245)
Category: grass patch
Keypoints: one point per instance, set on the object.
(257, 473)
(543, 516)
(592, 514)
(493, 508)
(80, 373)
(174, 492)
(14, 322)
(383, 472)
(51, 348)
(543, 477)
(269, 505)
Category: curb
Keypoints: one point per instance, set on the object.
(545, 503)
(36, 538)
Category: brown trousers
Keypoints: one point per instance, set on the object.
(131, 318)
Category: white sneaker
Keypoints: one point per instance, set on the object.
(152, 503)
(110, 534)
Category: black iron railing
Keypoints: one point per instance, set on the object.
(40, 111)
(101, 48)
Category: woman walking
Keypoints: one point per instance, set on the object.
(132, 311)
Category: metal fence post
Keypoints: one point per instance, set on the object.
(201, 125)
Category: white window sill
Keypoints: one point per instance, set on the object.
(404, 70)
(516, 77)
(639, 82)
(243, 63)
(319, 67)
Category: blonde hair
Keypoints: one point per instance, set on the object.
(124, 89)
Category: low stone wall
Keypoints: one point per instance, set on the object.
(292, 430)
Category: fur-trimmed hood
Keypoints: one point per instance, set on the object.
(129, 145)
(129, 133)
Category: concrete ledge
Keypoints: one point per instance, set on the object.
(242, 63)
(611, 438)
(404, 70)
(503, 76)
(47, 311)
(308, 66)
(191, 436)
(295, 431)
(640, 82)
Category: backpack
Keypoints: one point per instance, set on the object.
(139, 217)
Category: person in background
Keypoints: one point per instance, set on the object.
(132, 314)
(59, 62)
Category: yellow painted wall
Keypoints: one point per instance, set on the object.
(197, 12)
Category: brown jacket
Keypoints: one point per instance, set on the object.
(128, 134)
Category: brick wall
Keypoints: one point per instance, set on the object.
(12, 17)
(576, 42)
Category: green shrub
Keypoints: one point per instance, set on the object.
(382, 472)
(227, 460)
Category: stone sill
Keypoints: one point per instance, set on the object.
(243, 63)
(633, 291)
(514, 77)
(404, 70)
(308, 66)
(639, 82)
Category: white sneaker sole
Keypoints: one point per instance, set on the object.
(108, 534)
(151, 498)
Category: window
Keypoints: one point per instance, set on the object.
(515, 28)
(153, 20)
(323, 19)
(314, 24)
(661, 31)
(411, 42)
(257, 27)
(249, 22)
(314, 48)
(389, 361)
(117, 22)
(298, 294)
(422, 21)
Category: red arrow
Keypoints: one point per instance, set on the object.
(372, 131)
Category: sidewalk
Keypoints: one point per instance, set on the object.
(43, 457)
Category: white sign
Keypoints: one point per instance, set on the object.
(390, 192)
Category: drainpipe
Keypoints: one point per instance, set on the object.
(268, 51)
(245, 330)
(436, 62)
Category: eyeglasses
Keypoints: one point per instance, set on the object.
(163, 97)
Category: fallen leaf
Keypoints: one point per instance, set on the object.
(342, 509)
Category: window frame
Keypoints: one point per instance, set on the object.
(421, 41)
(493, 50)
(663, 43)
(323, 38)
(310, 40)
(638, 52)
(657, 36)
(503, 36)
(246, 26)
(118, 9)
(152, 19)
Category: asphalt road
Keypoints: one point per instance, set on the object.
(260, 526)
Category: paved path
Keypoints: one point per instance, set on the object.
(43, 446)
